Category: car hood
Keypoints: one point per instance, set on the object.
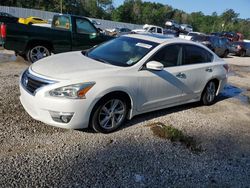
(71, 65)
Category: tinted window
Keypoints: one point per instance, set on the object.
(84, 26)
(61, 22)
(199, 38)
(153, 29)
(216, 41)
(122, 30)
(195, 54)
(159, 30)
(169, 56)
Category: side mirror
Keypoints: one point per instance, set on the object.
(93, 35)
(154, 65)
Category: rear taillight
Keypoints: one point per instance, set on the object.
(226, 67)
(3, 30)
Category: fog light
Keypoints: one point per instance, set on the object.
(61, 117)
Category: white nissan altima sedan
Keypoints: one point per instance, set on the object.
(119, 79)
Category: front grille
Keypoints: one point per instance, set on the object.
(31, 83)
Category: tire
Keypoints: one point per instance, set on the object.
(104, 119)
(209, 93)
(37, 51)
(24, 57)
(225, 53)
(243, 53)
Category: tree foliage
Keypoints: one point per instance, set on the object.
(141, 12)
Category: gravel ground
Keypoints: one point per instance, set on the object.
(33, 154)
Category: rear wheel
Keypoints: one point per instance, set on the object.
(109, 114)
(242, 53)
(37, 52)
(209, 93)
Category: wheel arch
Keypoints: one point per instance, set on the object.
(217, 84)
(108, 94)
(39, 42)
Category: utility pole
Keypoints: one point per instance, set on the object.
(61, 6)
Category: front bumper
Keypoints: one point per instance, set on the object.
(40, 105)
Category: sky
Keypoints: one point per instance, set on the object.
(206, 6)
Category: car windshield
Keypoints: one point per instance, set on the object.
(192, 34)
(122, 51)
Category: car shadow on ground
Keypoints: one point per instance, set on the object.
(229, 91)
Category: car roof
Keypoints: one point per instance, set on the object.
(158, 38)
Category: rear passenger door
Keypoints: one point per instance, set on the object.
(195, 70)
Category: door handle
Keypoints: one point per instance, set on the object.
(209, 69)
(181, 75)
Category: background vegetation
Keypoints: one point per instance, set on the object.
(136, 11)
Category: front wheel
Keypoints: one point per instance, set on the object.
(109, 114)
(37, 52)
(209, 93)
(225, 53)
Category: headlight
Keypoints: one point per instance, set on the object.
(76, 91)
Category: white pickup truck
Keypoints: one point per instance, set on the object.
(149, 29)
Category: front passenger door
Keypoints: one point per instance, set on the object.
(159, 89)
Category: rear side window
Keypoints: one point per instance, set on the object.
(169, 55)
(195, 54)
(84, 26)
(123, 30)
(159, 30)
(61, 22)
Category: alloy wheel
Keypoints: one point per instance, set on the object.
(112, 114)
(211, 89)
(38, 52)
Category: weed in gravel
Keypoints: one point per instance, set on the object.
(174, 135)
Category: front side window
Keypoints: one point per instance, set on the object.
(122, 51)
(153, 30)
(169, 55)
(159, 30)
(195, 54)
(84, 26)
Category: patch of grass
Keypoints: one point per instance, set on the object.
(174, 135)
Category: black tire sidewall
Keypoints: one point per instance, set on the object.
(243, 53)
(204, 96)
(225, 53)
(33, 46)
(94, 124)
